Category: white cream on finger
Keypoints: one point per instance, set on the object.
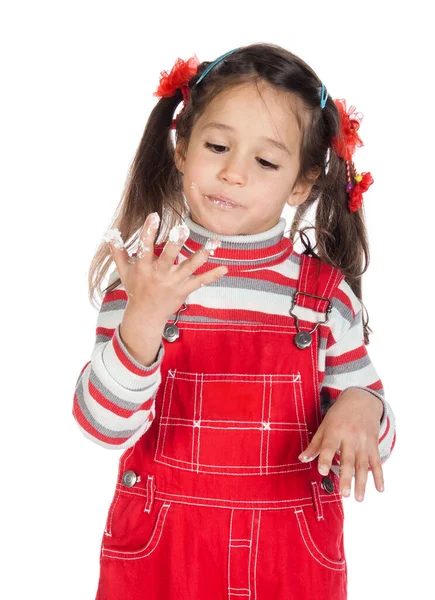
(152, 222)
(212, 244)
(141, 249)
(114, 235)
(179, 234)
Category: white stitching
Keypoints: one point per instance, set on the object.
(317, 502)
(229, 550)
(244, 504)
(153, 541)
(306, 529)
(121, 468)
(256, 555)
(167, 421)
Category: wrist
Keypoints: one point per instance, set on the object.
(149, 325)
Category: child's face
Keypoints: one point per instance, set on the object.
(239, 167)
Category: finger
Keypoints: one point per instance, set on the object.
(189, 266)
(376, 467)
(361, 472)
(120, 255)
(177, 236)
(197, 281)
(313, 448)
(347, 469)
(327, 453)
(145, 250)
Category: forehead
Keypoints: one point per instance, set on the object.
(259, 113)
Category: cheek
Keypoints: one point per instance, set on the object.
(197, 176)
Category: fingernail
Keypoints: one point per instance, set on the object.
(223, 270)
(151, 222)
(346, 492)
(114, 235)
(212, 244)
(179, 234)
(153, 219)
(306, 458)
(360, 497)
(381, 487)
(323, 469)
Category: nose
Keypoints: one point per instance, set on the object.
(233, 172)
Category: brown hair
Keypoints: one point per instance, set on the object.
(154, 184)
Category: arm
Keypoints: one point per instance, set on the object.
(114, 396)
(348, 365)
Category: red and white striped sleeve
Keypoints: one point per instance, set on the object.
(114, 396)
(348, 365)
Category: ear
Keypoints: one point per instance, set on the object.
(179, 157)
(299, 194)
(301, 191)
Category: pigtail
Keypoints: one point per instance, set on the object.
(153, 184)
(341, 235)
(345, 244)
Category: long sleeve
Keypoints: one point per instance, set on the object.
(348, 365)
(114, 396)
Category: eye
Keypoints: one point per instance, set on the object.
(267, 164)
(207, 145)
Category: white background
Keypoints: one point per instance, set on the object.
(77, 84)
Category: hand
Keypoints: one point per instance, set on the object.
(352, 423)
(155, 286)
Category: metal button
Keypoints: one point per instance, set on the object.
(328, 485)
(303, 339)
(171, 332)
(129, 478)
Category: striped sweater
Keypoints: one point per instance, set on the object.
(114, 400)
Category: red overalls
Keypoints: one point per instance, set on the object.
(212, 502)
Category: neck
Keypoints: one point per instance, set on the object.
(240, 252)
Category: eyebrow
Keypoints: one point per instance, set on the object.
(222, 126)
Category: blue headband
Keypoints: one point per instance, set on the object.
(323, 96)
(218, 60)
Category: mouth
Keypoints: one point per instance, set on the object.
(222, 201)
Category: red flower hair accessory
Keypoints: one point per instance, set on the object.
(363, 182)
(178, 78)
(345, 144)
(348, 139)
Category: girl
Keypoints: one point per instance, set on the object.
(225, 361)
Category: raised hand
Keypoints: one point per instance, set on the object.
(156, 287)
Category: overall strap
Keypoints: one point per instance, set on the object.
(319, 280)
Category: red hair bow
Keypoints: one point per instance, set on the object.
(356, 195)
(348, 139)
(178, 78)
(345, 144)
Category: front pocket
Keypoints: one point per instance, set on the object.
(134, 532)
(323, 539)
(241, 424)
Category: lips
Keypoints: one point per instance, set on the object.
(224, 199)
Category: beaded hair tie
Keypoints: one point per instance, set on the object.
(345, 144)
